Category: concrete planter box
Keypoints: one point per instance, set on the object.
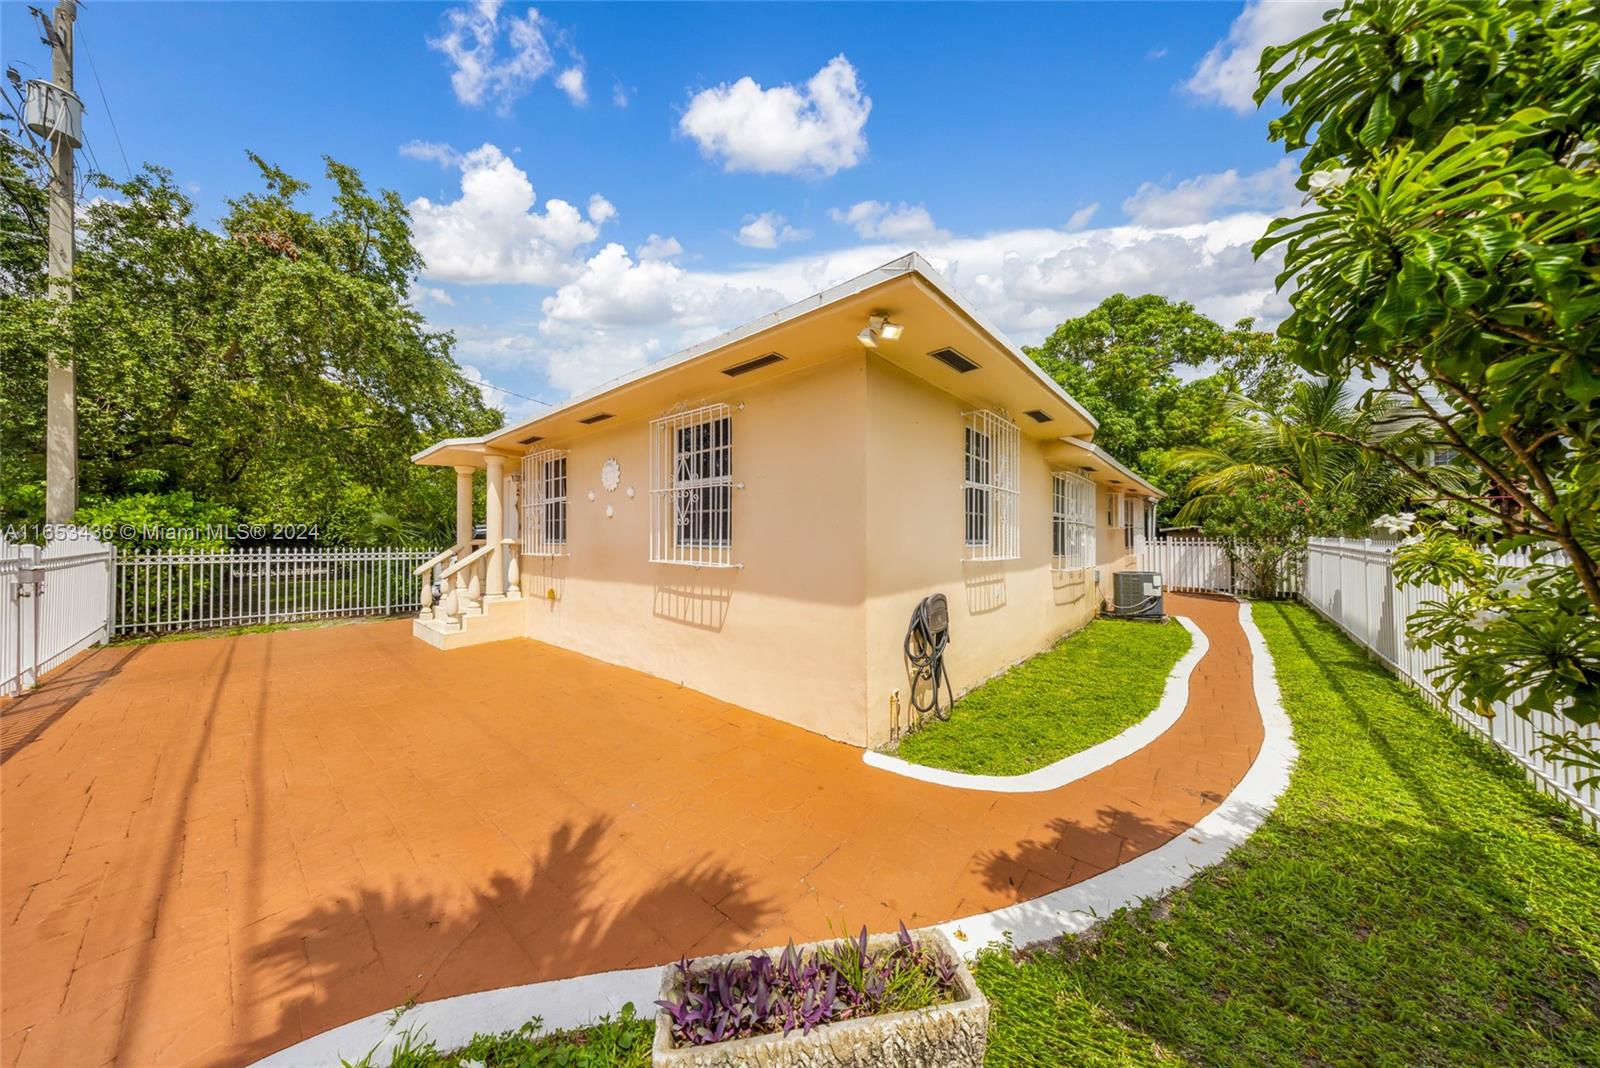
(953, 1035)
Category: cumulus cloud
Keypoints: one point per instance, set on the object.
(606, 312)
(768, 230)
(656, 247)
(571, 83)
(494, 233)
(876, 219)
(1080, 218)
(1205, 196)
(432, 152)
(815, 129)
(1227, 74)
(496, 59)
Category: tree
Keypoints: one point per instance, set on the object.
(1315, 442)
(273, 367)
(1450, 250)
(1124, 361)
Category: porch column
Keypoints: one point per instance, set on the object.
(494, 525)
(464, 507)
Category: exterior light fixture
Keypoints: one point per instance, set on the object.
(868, 338)
(883, 328)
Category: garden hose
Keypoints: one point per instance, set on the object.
(926, 639)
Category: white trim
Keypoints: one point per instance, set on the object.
(1076, 908)
(912, 263)
(565, 1003)
(451, 1022)
(1071, 768)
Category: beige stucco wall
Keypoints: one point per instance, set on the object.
(1001, 612)
(785, 634)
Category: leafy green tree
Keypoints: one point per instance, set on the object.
(1126, 362)
(1450, 250)
(273, 367)
(1314, 440)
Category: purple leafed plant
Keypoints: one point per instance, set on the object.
(846, 980)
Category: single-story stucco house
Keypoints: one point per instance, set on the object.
(758, 516)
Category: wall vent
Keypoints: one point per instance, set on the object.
(598, 417)
(954, 360)
(530, 441)
(1038, 415)
(752, 365)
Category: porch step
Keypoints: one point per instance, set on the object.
(494, 619)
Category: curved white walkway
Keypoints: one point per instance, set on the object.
(564, 1003)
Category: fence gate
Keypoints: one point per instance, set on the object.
(55, 601)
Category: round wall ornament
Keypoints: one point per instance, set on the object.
(610, 474)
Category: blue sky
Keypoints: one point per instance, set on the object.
(1042, 155)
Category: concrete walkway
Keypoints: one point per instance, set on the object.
(216, 848)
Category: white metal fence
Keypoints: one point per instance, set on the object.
(1351, 583)
(53, 604)
(167, 591)
(1203, 564)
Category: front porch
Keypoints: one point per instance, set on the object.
(471, 592)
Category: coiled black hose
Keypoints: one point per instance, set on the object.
(925, 656)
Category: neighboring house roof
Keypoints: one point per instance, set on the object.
(890, 283)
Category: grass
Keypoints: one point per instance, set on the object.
(620, 1043)
(234, 631)
(1090, 687)
(1411, 901)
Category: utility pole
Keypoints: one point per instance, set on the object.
(61, 407)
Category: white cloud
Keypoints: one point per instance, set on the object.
(514, 406)
(494, 233)
(874, 218)
(432, 295)
(619, 95)
(1206, 196)
(818, 129)
(769, 230)
(571, 83)
(432, 152)
(656, 247)
(497, 59)
(1080, 218)
(1227, 75)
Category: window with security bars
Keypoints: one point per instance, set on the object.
(1128, 502)
(544, 503)
(989, 487)
(691, 488)
(1071, 522)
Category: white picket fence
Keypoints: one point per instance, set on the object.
(54, 603)
(166, 591)
(1351, 584)
(1202, 564)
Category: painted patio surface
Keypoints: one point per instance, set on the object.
(215, 848)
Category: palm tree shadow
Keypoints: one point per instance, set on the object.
(380, 948)
(1073, 851)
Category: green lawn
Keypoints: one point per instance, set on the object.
(1411, 901)
(623, 1042)
(1091, 686)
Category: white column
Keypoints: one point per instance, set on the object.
(494, 525)
(464, 508)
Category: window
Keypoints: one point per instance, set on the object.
(1071, 522)
(691, 488)
(544, 503)
(1128, 502)
(989, 487)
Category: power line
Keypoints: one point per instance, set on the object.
(514, 393)
(127, 169)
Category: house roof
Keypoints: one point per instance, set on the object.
(813, 330)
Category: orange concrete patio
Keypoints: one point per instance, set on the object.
(215, 848)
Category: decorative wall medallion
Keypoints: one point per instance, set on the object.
(591, 495)
(630, 493)
(610, 511)
(610, 474)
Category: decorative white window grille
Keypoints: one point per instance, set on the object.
(1128, 501)
(1071, 522)
(691, 488)
(989, 487)
(544, 503)
(1113, 507)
